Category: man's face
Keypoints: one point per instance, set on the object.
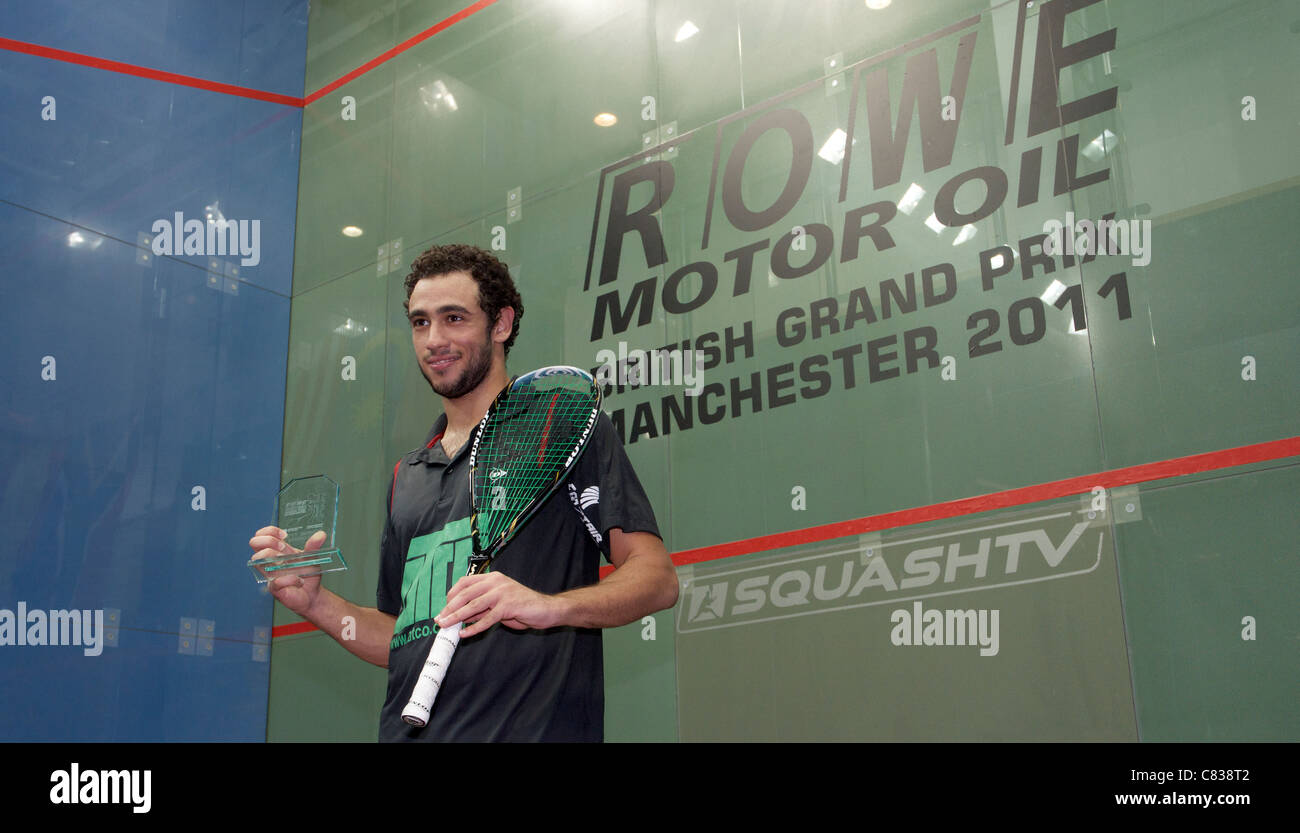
(451, 334)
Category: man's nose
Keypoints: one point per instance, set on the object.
(435, 338)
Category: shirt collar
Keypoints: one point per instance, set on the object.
(433, 452)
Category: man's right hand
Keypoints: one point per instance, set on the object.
(297, 593)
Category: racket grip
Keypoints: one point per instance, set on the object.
(417, 710)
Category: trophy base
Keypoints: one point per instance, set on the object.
(301, 564)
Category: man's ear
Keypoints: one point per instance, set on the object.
(505, 324)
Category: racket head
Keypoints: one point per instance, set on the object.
(532, 435)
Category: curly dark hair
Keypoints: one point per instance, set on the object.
(496, 289)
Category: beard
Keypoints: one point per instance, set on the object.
(478, 362)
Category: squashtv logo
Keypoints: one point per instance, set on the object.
(1043, 546)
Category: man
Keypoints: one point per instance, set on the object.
(539, 676)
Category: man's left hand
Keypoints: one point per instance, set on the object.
(483, 600)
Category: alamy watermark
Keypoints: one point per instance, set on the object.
(214, 238)
(53, 627)
(1099, 237)
(110, 786)
(639, 368)
(942, 626)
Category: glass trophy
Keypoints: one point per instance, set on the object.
(305, 506)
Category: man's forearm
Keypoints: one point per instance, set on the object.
(367, 634)
(638, 588)
(644, 581)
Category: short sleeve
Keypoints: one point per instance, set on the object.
(608, 490)
(388, 595)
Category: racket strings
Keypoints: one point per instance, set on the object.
(522, 451)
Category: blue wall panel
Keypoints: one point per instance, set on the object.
(124, 152)
(257, 43)
(168, 372)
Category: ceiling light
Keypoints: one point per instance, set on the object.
(1100, 146)
(606, 119)
(1053, 292)
(350, 327)
(437, 97)
(833, 150)
(77, 240)
(688, 30)
(213, 212)
(352, 231)
(911, 199)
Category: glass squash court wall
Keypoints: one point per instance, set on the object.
(1077, 473)
(843, 210)
(141, 393)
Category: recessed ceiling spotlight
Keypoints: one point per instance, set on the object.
(911, 199)
(606, 119)
(1054, 291)
(966, 233)
(352, 231)
(437, 97)
(77, 240)
(833, 150)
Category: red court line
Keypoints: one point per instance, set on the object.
(1144, 473)
(400, 48)
(292, 628)
(234, 89)
(146, 72)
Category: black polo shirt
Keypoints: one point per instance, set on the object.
(502, 685)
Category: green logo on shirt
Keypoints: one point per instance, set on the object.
(434, 562)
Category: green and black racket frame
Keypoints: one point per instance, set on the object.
(531, 437)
